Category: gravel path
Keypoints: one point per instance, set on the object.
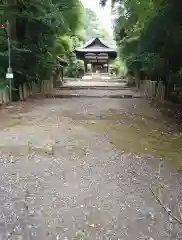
(124, 93)
(60, 179)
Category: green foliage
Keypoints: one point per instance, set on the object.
(149, 37)
(75, 68)
(94, 28)
(41, 30)
(119, 67)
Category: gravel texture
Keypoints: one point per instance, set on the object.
(60, 179)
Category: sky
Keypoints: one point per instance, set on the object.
(104, 14)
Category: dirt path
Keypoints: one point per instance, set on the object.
(82, 168)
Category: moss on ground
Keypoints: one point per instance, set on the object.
(142, 135)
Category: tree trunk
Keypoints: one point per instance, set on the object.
(15, 93)
(54, 80)
(167, 87)
(137, 79)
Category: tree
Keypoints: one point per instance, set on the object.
(149, 37)
(94, 28)
(41, 30)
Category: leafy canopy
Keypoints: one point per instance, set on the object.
(149, 36)
(41, 30)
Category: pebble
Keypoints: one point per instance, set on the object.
(92, 225)
(80, 233)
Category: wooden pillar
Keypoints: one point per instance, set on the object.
(85, 66)
(92, 67)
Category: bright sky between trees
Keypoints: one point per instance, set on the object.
(104, 14)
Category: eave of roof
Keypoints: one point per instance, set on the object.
(96, 50)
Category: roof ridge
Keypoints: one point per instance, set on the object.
(87, 44)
